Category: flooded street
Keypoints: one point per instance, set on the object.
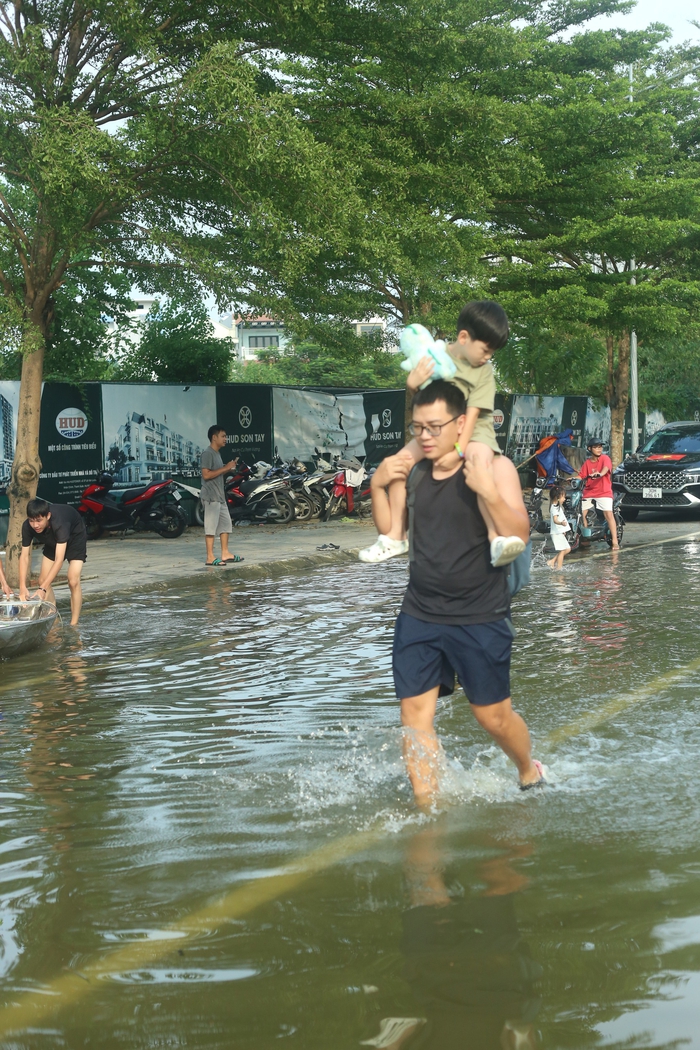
(209, 840)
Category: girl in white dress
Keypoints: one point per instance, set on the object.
(558, 526)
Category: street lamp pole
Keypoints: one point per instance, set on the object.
(634, 373)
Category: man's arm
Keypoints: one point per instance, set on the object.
(4, 585)
(504, 504)
(59, 558)
(24, 560)
(209, 475)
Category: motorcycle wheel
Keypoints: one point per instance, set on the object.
(333, 508)
(303, 507)
(575, 542)
(284, 506)
(317, 501)
(92, 526)
(630, 513)
(199, 512)
(172, 524)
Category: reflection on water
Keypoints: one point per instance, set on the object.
(175, 749)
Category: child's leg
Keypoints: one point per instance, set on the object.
(487, 457)
(412, 453)
(393, 542)
(504, 549)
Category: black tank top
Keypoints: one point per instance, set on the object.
(451, 576)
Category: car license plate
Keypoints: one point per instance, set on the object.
(652, 493)
(178, 497)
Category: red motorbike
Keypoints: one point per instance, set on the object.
(149, 508)
(350, 476)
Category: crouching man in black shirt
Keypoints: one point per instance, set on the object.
(65, 539)
(455, 616)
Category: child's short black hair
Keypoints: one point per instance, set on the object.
(486, 321)
(555, 492)
(441, 390)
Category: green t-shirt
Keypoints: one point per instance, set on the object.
(479, 388)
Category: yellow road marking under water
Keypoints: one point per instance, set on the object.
(620, 703)
(70, 988)
(639, 546)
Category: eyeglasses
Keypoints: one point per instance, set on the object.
(416, 429)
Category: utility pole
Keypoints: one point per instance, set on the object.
(634, 374)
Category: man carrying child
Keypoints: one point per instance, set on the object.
(455, 616)
(482, 329)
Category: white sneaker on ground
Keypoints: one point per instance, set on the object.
(505, 549)
(383, 549)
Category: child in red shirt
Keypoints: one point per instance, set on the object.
(597, 474)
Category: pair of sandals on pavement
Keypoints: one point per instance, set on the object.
(233, 560)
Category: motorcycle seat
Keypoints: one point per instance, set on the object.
(133, 493)
(250, 486)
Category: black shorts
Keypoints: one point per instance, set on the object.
(76, 549)
(430, 654)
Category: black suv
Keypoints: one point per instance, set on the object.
(663, 474)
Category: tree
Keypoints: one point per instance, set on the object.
(146, 139)
(620, 183)
(310, 365)
(176, 345)
(428, 102)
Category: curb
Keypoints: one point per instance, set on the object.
(254, 571)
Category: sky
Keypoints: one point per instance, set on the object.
(676, 14)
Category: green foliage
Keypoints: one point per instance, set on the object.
(143, 141)
(669, 378)
(311, 365)
(176, 345)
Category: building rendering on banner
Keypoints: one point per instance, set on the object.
(7, 442)
(527, 432)
(144, 449)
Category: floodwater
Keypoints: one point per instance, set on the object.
(209, 841)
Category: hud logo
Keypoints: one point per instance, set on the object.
(498, 419)
(386, 417)
(71, 423)
(574, 417)
(245, 417)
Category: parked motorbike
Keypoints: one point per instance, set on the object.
(258, 499)
(349, 476)
(534, 508)
(149, 508)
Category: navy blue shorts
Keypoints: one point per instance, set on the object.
(430, 654)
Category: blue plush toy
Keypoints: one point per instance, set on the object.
(415, 342)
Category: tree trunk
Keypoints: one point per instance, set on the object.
(617, 390)
(27, 465)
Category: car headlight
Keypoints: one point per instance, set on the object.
(691, 479)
